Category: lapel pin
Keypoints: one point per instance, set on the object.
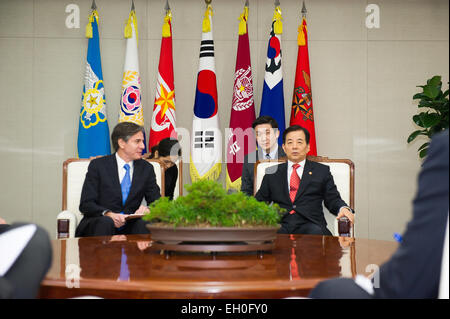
(310, 173)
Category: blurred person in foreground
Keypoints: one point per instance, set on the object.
(414, 269)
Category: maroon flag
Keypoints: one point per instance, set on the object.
(241, 139)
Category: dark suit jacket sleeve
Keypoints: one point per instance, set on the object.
(152, 190)
(247, 177)
(414, 270)
(90, 193)
(263, 194)
(332, 199)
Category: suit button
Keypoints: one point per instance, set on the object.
(294, 206)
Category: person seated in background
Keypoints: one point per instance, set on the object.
(414, 269)
(301, 186)
(115, 186)
(23, 277)
(168, 151)
(266, 133)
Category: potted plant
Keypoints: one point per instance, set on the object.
(209, 214)
(435, 115)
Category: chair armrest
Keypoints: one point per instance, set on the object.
(66, 224)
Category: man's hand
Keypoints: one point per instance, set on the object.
(344, 211)
(119, 219)
(2, 221)
(142, 210)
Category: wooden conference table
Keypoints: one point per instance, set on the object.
(128, 267)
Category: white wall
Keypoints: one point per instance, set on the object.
(363, 81)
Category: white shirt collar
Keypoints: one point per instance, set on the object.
(272, 153)
(121, 162)
(302, 163)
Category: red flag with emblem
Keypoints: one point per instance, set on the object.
(302, 105)
(163, 119)
(241, 140)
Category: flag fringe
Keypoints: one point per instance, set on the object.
(128, 32)
(212, 174)
(243, 21)
(166, 32)
(236, 185)
(206, 25)
(94, 14)
(278, 25)
(301, 33)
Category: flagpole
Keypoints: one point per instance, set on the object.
(93, 6)
(304, 10)
(132, 5)
(167, 7)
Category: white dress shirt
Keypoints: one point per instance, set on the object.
(121, 170)
(272, 154)
(299, 170)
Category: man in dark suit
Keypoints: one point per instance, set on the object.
(300, 186)
(266, 132)
(414, 269)
(115, 186)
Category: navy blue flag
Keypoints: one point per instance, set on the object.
(272, 101)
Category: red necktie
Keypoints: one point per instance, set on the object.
(294, 183)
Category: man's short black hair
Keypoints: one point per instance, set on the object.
(294, 128)
(265, 119)
(124, 130)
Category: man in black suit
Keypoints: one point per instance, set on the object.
(266, 132)
(414, 269)
(103, 192)
(316, 185)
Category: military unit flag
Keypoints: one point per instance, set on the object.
(163, 119)
(130, 100)
(93, 131)
(272, 101)
(241, 140)
(302, 104)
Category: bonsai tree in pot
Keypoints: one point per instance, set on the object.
(209, 205)
(435, 115)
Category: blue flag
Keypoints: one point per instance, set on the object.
(93, 131)
(272, 101)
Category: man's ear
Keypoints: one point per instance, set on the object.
(307, 147)
(121, 143)
(284, 148)
(277, 133)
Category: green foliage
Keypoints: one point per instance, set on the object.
(435, 117)
(209, 205)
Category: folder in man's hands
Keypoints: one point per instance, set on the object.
(133, 216)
